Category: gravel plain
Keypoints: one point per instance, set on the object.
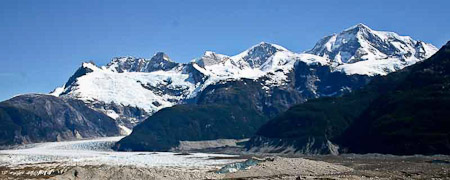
(93, 159)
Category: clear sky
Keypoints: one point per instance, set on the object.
(43, 42)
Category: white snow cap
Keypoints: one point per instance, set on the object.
(361, 50)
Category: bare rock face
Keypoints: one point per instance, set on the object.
(37, 118)
(160, 61)
(308, 146)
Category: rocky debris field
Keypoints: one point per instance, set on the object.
(93, 159)
(376, 166)
(350, 167)
(277, 168)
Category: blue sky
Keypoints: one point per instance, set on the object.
(43, 42)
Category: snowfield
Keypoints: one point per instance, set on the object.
(131, 88)
(97, 152)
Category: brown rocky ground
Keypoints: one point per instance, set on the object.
(308, 167)
(375, 166)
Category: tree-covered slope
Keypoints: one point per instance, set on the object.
(414, 118)
(236, 109)
(231, 112)
(406, 112)
(166, 128)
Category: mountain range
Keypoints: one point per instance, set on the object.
(287, 79)
(131, 89)
(220, 96)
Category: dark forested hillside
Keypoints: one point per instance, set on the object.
(166, 128)
(236, 109)
(406, 112)
(230, 113)
(38, 118)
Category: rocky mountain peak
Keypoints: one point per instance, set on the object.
(211, 58)
(161, 57)
(360, 27)
(361, 43)
(259, 54)
(159, 61)
(126, 64)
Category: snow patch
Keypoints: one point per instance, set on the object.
(57, 91)
(124, 130)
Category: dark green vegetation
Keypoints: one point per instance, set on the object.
(37, 118)
(166, 128)
(407, 112)
(236, 117)
(235, 109)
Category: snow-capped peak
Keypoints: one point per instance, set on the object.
(89, 65)
(258, 54)
(360, 43)
(210, 58)
(362, 50)
(358, 27)
(209, 53)
(278, 47)
(161, 56)
(160, 61)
